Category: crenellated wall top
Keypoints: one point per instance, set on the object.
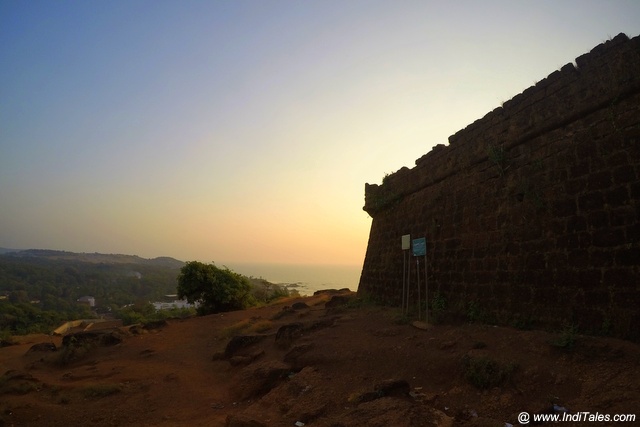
(608, 73)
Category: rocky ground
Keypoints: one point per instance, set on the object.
(325, 360)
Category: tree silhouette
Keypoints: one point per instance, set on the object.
(214, 289)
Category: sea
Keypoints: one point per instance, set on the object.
(306, 279)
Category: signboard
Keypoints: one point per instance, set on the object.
(420, 246)
(406, 242)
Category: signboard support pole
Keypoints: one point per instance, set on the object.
(426, 289)
(419, 249)
(406, 272)
(408, 285)
(404, 278)
(418, 280)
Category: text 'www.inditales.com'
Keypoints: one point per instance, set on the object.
(526, 418)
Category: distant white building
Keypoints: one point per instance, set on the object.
(178, 303)
(90, 301)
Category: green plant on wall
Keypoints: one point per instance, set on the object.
(498, 157)
(606, 327)
(536, 199)
(613, 116)
(538, 165)
(380, 199)
(474, 312)
(525, 191)
(438, 306)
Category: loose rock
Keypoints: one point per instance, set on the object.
(288, 333)
(100, 338)
(43, 347)
(239, 342)
(299, 306)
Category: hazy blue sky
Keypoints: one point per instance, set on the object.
(246, 130)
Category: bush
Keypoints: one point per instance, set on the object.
(483, 372)
(71, 353)
(6, 339)
(146, 313)
(101, 390)
(236, 328)
(567, 339)
(261, 326)
(267, 292)
(215, 289)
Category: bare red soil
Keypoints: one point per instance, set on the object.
(345, 366)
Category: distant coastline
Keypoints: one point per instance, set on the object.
(306, 278)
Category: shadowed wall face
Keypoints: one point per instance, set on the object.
(531, 213)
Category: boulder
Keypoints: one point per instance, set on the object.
(258, 379)
(288, 333)
(241, 420)
(388, 411)
(339, 301)
(100, 338)
(286, 310)
(296, 352)
(13, 374)
(332, 291)
(137, 329)
(299, 306)
(6, 342)
(42, 347)
(245, 359)
(301, 356)
(395, 387)
(322, 323)
(18, 382)
(313, 412)
(239, 342)
(154, 324)
(387, 388)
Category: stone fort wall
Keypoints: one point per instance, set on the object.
(532, 213)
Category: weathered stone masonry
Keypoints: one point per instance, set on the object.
(531, 213)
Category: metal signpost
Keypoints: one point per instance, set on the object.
(419, 249)
(406, 244)
(426, 288)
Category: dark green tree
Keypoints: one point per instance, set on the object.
(214, 289)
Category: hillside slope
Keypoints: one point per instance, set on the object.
(331, 365)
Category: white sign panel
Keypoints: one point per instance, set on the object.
(406, 242)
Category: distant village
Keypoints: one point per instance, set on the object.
(106, 319)
(170, 302)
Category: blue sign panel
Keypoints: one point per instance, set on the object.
(419, 247)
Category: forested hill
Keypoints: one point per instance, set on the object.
(43, 286)
(95, 258)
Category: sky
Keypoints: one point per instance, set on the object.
(245, 130)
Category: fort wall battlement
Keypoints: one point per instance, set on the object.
(531, 213)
